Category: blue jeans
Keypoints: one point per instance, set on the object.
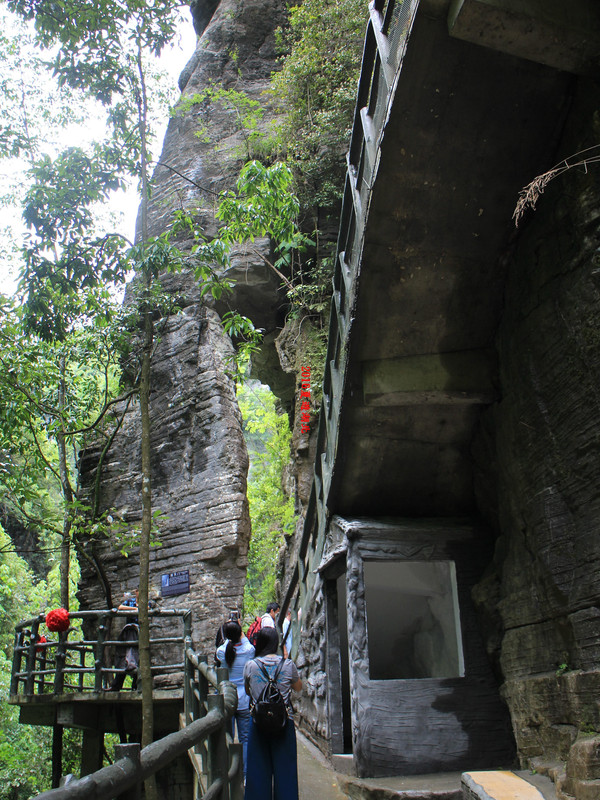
(244, 721)
(272, 765)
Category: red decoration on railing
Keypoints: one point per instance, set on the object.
(57, 619)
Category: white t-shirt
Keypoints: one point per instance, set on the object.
(244, 651)
(267, 621)
(287, 637)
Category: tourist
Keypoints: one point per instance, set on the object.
(130, 600)
(272, 760)
(268, 619)
(127, 654)
(287, 635)
(235, 652)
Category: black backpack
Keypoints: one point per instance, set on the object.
(269, 712)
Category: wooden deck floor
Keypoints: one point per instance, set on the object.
(107, 712)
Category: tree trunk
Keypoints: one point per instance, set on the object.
(67, 492)
(145, 671)
(146, 532)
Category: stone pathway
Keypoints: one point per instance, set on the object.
(316, 779)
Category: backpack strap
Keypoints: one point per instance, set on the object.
(278, 670)
(273, 680)
(265, 672)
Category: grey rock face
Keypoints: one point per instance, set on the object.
(541, 604)
(199, 458)
(199, 465)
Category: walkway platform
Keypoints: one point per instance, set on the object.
(108, 712)
(319, 781)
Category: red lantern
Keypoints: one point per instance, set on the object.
(57, 619)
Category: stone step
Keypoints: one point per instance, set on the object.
(505, 785)
(441, 786)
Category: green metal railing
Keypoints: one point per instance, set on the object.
(209, 703)
(388, 29)
(81, 659)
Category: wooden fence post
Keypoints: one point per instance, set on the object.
(188, 669)
(17, 660)
(31, 658)
(132, 752)
(61, 655)
(218, 757)
(99, 654)
(236, 784)
(199, 704)
(57, 751)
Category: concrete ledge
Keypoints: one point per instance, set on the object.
(564, 34)
(343, 763)
(437, 378)
(440, 786)
(497, 785)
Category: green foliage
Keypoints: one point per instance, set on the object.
(54, 396)
(268, 438)
(316, 92)
(248, 112)
(24, 765)
(312, 289)
(22, 771)
(24, 749)
(67, 266)
(34, 112)
(311, 352)
(263, 204)
(96, 38)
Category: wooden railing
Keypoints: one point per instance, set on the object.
(210, 700)
(209, 703)
(82, 659)
(385, 44)
(217, 760)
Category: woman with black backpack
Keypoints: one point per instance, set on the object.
(272, 771)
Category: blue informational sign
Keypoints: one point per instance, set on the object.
(175, 583)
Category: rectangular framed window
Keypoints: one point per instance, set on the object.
(413, 620)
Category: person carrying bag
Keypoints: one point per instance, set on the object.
(272, 770)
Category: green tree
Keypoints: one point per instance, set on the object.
(22, 771)
(67, 267)
(101, 49)
(268, 438)
(54, 394)
(316, 92)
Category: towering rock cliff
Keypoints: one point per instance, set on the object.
(199, 459)
(534, 453)
(541, 597)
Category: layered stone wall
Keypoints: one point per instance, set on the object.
(199, 466)
(199, 459)
(541, 600)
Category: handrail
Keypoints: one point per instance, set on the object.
(48, 667)
(205, 720)
(388, 29)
